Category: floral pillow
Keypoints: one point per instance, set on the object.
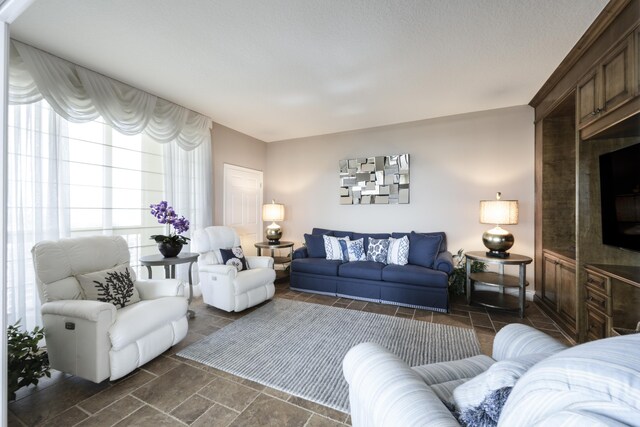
(234, 257)
(354, 250)
(377, 250)
(115, 286)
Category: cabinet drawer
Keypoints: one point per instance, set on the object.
(598, 301)
(596, 325)
(599, 283)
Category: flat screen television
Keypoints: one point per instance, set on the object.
(620, 197)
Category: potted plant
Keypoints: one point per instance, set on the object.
(170, 244)
(458, 278)
(26, 361)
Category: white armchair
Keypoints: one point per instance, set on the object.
(223, 286)
(93, 339)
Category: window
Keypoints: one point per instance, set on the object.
(74, 179)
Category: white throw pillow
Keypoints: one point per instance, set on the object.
(115, 286)
(332, 247)
(504, 373)
(354, 249)
(398, 252)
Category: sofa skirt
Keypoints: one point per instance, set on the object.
(402, 294)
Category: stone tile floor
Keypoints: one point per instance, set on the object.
(172, 391)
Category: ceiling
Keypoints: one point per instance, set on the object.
(282, 69)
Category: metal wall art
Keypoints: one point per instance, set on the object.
(379, 180)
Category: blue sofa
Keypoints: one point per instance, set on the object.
(422, 283)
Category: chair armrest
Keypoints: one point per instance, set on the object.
(259, 261)
(221, 269)
(518, 340)
(159, 288)
(384, 391)
(81, 309)
(444, 262)
(301, 253)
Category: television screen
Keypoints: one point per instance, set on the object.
(620, 196)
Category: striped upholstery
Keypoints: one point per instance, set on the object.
(436, 373)
(594, 384)
(516, 340)
(600, 379)
(504, 373)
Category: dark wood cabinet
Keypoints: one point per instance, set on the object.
(609, 85)
(589, 106)
(558, 291)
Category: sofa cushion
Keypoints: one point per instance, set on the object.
(319, 266)
(367, 236)
(414, 275)
(114, 285)
(368, 270)
(423, 249)
(378, 250)
(333, 249)
(348, 234)
(315, 245)
(353, 249)
(138, 320)
(398, 252)
(320, 231)
(234, 257)
(443, 244)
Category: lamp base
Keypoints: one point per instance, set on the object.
(497, 254)
(498, 241)
(274, 233)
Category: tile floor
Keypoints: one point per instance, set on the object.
(172, 391)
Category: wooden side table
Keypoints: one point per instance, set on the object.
(272, 247)
(500, 280)
(169, 265)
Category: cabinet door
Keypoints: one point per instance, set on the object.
(549, 285)
(567, 292)
(588, 102)
(617, 76)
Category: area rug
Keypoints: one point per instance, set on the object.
(298, 347)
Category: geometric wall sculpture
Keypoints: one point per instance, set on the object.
(379, 180)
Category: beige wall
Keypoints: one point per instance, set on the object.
(455, 162)
(235, 148)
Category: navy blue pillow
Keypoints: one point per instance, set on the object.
(423, 249)
(315, 245)
(234, 257)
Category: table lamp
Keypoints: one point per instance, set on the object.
(273, 212)
(498, 240)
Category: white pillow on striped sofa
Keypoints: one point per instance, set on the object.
(504, 373)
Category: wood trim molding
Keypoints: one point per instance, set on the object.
(595, 30)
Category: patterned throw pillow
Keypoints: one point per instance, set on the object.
(354, 250)
(234, 257)
(114, 286)
(377, 250)
(333, 249)
(398, 251)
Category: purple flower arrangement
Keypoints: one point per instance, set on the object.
(166, 215)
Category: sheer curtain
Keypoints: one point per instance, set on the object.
(50, 97)
(38, 199)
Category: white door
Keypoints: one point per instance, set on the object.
(243, 204)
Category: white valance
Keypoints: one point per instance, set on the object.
(81, 95)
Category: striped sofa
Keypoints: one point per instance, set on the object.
(593, 384)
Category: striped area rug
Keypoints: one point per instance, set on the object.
(298, 347)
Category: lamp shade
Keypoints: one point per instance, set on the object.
(499, 211)
(273, 212)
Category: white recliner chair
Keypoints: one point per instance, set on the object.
(223, 286)
(93, 339)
